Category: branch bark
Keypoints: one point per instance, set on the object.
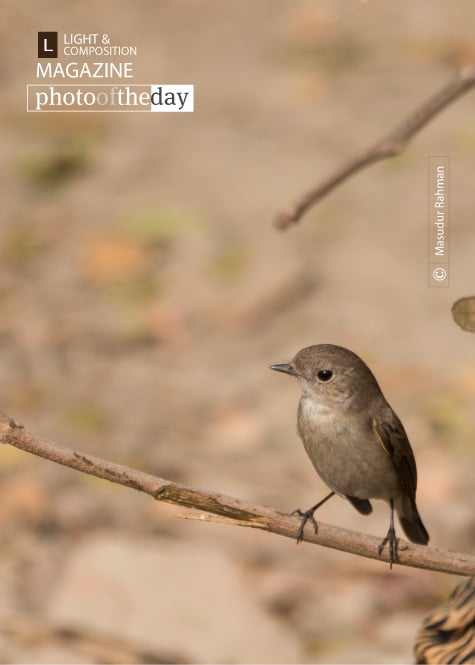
(230, 510)
(390, 146)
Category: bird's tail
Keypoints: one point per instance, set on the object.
(410, 520)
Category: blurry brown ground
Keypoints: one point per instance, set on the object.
(144, 292)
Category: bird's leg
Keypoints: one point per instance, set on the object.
(308, 515)
(390, 538)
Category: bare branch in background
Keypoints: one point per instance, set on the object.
(390, 146)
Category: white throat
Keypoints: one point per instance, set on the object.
(315, 408)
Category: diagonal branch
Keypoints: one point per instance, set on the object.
(390, 146)
(230, 510)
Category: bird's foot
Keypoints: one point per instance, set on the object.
(390, 538)
(306, 516)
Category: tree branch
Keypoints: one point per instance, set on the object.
(390, 146)
(230, 510)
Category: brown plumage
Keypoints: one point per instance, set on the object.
(354, 439)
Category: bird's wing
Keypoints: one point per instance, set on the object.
(390, 434)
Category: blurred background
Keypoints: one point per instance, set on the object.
(144, 292)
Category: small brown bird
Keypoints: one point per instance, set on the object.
(354, 439)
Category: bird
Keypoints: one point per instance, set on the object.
(354, 439)
(447, 634)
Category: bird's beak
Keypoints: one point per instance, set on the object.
(286, 368)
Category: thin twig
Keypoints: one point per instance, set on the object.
(390, 146)
(234, 511)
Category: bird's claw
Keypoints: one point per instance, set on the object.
(305, 515)
(390, 538)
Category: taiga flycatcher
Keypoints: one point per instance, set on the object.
(354, 439)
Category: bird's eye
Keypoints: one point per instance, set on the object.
(324, 375)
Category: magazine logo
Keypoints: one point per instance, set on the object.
(47, 45)
(91, 73)
(110, 97)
